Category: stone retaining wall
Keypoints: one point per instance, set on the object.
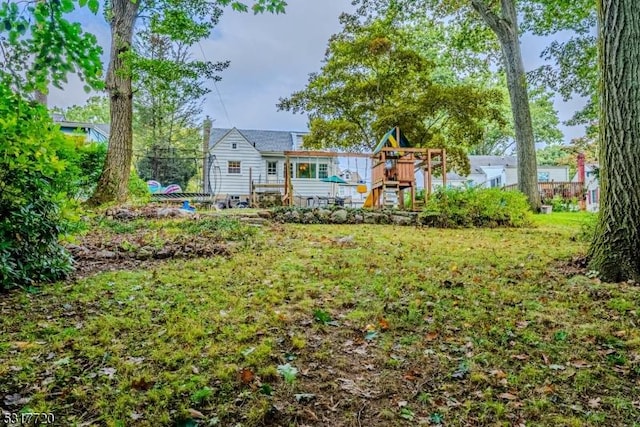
(343, 216)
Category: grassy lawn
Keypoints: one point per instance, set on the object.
(335, 326)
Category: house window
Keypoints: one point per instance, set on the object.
(272, 168)
(594, 196)
(323, 170)
(496, 182)
(305, 170)
(543, 176)
(234, 145)
(233, 166)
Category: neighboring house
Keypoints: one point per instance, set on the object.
(237, 154)
(500, 171)
(592, 186)
(94, 132)
(349, 191)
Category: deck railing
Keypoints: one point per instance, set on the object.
(566, 190)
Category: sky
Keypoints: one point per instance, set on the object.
(271, 57)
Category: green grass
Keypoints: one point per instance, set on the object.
(415, 326)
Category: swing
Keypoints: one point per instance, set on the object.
(362, 187)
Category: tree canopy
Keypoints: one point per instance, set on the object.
(374, 78)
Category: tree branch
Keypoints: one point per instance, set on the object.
(497, 25)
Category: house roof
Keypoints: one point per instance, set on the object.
(263, 140)
(482, 161)
(101, 128)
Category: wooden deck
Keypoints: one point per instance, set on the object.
(564, 189)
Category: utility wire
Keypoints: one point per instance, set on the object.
(215, 85)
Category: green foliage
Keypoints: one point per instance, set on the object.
(40, 46)
(560, 204)
(33, 179)
(95, 110)
(377, 75)
(138, 188)
(476, 207)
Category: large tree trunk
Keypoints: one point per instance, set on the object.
(114, 180)
(506, 28)
(615, 252)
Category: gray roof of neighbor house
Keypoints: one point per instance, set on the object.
(263, 140)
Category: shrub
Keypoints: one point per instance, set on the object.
(33, 183)
(559, 204)
(476, 207)
(138, 189)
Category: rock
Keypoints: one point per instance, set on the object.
(372, 218)
(358, 219)
(324, 214)
(123, 213)
(166, 213)
(293, 216)
(339, 216)
(164, 253)
(144, 253)
(400, 220)
(106, 254)
(309, 218)
(265, 214)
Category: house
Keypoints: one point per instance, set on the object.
(355, 189)
(239, 157)
(94, 132)
(501, 171)
(592, 186)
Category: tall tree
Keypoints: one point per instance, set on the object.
(500, 140)
(502, 18)
(615, 249)
(373, 79)
(179, 19)
(169, 90)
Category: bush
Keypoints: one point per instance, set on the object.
(559, 204)
(476, 207)
(138, 189)
(33, 183)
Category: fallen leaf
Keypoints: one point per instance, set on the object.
(498, 373)
(141, 384)
(23, 345)
(594, 403)
(431, 336)
(304, 397)
(557, 367)
(520, 357)
(195, 414)
(508, 396)
(246, 376)
(580, 364)
(545, 359)
(16, 400)
(620, 334)
(109, 372)
(383, 323)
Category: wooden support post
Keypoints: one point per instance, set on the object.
(401, 199)
(251, 194)
(430, 171)
(413, 196)
(443, 156)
